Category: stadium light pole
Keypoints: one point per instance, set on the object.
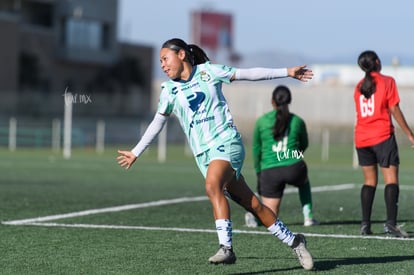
(67, 126)
(162, 145)
(325, 145)
(100, 136)
(56, 134)
(12, 133)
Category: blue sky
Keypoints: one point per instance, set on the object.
(319, 28)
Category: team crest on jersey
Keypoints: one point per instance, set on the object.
(205, 76)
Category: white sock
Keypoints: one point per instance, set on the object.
(224, 232)
(280, 230)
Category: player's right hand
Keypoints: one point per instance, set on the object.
(126, 159)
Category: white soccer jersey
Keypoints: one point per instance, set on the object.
(200, 105)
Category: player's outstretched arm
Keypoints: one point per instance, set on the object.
(126, 159)
(254, 74)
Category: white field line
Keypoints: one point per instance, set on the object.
(195, 230)
(325, 188)
(104, 210)
(151, 204)
(41, 221)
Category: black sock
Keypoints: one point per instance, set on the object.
(391, 193)
(367, 198)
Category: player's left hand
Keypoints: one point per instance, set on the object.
(301, 73)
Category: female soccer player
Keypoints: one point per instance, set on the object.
(376, 100)
(194, 95)
(280, 139)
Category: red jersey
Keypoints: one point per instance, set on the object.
(373, 121)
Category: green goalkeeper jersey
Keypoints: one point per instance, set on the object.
(269, 153)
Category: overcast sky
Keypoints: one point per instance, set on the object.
(319, 28)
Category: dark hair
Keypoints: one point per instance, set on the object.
(369, 62)
(194, 54)
(282, 97)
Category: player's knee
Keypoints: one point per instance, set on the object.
(212, 189)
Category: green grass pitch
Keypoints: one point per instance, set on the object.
(167, 230)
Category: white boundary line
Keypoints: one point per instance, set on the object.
(195, 230)
(154, 203)
(41, 221)
(104, 210)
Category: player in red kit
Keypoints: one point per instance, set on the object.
(377, 101)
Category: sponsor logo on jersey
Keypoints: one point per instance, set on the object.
(201, 120)
(220, 148)
(192, 85)
(174, 90)
(195, 100)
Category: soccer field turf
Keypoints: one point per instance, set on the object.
(86, 215)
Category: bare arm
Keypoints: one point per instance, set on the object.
(399, 117)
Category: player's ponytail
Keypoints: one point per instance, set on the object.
(193, 53)
(199, 55)
(369, 62)
(281, 97)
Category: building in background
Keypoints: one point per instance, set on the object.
(52, 47)
(213, 31)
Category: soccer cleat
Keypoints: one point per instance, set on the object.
(366, 229)
(250, 220)
(395, 231)
(310, 222)
(299, 247)
(224, 255)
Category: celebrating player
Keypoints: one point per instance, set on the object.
(194, 94)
